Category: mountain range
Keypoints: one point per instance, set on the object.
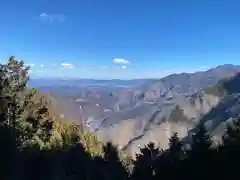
(130, 113)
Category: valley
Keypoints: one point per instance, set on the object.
(133, 112)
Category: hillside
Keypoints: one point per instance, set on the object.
(120, 96)
(188, 83)
(156, 120)
(179, 113)
(157, 108)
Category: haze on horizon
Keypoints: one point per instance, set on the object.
(120, 40)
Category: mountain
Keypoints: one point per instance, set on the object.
(56, 84)
(166, 92)
(178, 104)
(188, 83)
(150, 109)
(228, 91)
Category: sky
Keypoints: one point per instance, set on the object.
(123, 39)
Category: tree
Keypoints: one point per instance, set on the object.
(24, 122)
(230, 147)
(144, 164)
(113, 163)
(176, 151)
(200, 140)
(13, 79)
(232, 135)
(200, 153)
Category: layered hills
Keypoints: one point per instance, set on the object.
(153, 109)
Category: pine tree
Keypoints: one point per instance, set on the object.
(200, 140)
(114, 163)
(176, 151)
(13, 79)
(232, 135)
(230, 148)
(200, 154)
(28, 120)
(144, 164)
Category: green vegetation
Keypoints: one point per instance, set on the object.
(36, 145)
(32, 117)
(225, 86)
(216, 90)
(177, 115)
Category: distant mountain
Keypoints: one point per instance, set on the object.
(188, 83)
(108, 93)
(83, 83)
(130, 113)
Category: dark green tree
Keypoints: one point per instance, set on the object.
(21, 121)
(200, 140)
(13, 79)
(113, 163)
(200, 153)
(144, 165)
(175, 147)
(232, 135)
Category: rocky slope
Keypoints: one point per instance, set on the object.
(180, 113)
(187, 83)
(117, 100)
(131, 116)
(158, 122)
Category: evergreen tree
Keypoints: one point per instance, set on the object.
(144, 164)
(113, 163)
(230, 148)
(175, 148)
(13, 79)
(200, 153)
(27, 125)
(200, 140)
(232, 135)
(174, 157)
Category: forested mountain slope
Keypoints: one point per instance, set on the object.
(35, 144)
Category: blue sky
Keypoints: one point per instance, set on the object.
(124, 39)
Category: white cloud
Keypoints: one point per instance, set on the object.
(31, 65)
(41, 65)
(43, 15)
(203, 68)
(124, 67)
(120, 61)
(52, 17)
(67, 65)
